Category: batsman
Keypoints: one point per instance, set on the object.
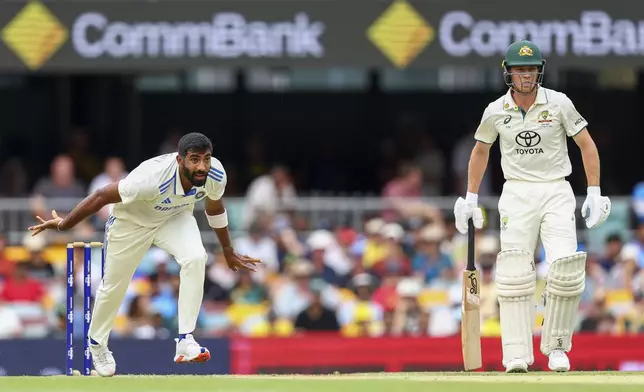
(532, 124)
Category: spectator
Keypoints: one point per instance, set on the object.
(247, 292)
(318, 245)
(317, 317)
(386, 295)
(36, 264)
(219, 278)
(10, 323)
(430, 263)
(409, 318)
(407, 185)
(638, 201)
(594, 314)
(163, 298)
(269, 195)
(634, 320)
(214, 320)
(431, 162)
(607, 325)
(330, 260)
(633, 257)
(114, 171)
(294, 294)
(139, 323)
(261, 246)
(395, 259)
(362, 314)
(6, 266)
(375, 248)
(611, 270)
(60, 184)
(22, 288)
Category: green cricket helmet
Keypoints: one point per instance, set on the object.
(522, 54)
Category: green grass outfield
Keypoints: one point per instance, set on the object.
(377, 382)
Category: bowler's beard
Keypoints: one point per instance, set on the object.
(191, 177)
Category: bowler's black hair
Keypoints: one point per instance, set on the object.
(195, 142)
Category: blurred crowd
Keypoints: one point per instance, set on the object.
(399, 274)
(388, 279)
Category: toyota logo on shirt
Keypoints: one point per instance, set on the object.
(528, 139)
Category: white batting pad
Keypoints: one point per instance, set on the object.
(516, 284)
(565, 283)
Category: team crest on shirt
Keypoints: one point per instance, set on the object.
(200, 195)
(544, 117)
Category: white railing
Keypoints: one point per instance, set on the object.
(16, 214)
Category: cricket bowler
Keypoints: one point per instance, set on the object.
(532, 123)
(154, 205)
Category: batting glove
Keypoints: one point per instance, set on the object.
(467, 208)
(596, 208)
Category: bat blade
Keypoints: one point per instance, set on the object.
(471, 321)
(471, 310)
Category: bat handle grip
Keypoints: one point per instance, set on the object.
(470, 245)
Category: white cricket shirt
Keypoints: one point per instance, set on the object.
(152, 193)
(533, 147)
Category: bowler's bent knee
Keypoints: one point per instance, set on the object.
(197, 260)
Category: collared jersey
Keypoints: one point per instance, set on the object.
(152, 193)
(533, 144)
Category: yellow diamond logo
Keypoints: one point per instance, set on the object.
(34, 35)
(401, 33)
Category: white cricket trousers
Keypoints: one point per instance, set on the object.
(126, 244)
(529, 210)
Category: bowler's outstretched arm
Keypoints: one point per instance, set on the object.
(89, 206)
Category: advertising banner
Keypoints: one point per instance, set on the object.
(111, 36)
(325, 354)
(46, 357)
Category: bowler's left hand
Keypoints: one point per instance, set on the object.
(236, 261)
(596, 208)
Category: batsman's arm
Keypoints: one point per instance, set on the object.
(478, 164)
(589, 155)
(218, 220)
(90, 205)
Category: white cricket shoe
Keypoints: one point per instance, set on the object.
(103, 360)
(189, 351)
(558, 361)
(516, 366)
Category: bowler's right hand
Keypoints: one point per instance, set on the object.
(46, 224)
(467, 208)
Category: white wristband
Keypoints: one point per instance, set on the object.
(472, 197)
(594, 190)
(218, 221)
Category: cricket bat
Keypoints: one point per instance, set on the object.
(471, 308)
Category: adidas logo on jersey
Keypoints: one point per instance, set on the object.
(167, 201)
